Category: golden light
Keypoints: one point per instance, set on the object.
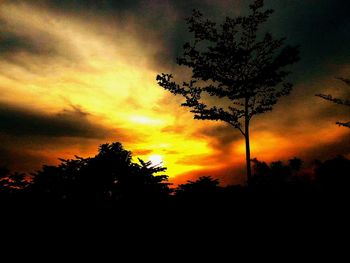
(109, 72)
(156, 160)
(145, 120)
(264, 145)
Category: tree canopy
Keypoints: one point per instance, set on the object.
(242, 72)
(110, 175)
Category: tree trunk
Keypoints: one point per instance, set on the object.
(247, 153)
(247, 143)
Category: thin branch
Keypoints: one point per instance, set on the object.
(344, 124)
(335, 100)
(239, 128)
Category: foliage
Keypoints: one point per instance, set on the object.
(277, 173)
(245, 74)
(202, 186)
(110, 175)
(333, 175)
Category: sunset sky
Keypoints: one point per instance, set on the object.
(78, 73)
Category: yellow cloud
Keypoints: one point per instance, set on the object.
(107, 70)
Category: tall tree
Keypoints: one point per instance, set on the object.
(344, 102)
(244, 72)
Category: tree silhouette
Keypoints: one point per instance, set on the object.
(202, 192)
(203, 186)
(109, 176)
(344, 102)
(277, 174)
(230, 62)
(332, 176)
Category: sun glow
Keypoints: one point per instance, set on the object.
(145, 120)
(108, 73)
(156, 160)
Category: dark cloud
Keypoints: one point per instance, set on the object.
(21, 122)
(164, 17)
(320, 27)
(220, 137)
(10, 43)
(146, 7)
(29, 138)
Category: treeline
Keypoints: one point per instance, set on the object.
(113, 177)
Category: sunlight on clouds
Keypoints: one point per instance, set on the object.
(263, 145)
(269, 146)
(103, 69)
(107, 68)
(145, 120)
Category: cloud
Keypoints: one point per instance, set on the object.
(16, 121)
(11, 43)
(328, 150)
(19, 159)
(157, 22)
(32, 138)
(104, 55)
(220, 136)
(320, 28)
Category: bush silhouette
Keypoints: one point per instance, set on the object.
(277, 176)
(113, 177)
(203, 190)
(109, 176)
(332, 176)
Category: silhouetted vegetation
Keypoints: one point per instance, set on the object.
(277, 174)
(230, 62)
(112, 176)
(204, 189)
(333, 176)
(109, 176)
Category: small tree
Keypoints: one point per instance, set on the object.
(229, 62)
(344, 102)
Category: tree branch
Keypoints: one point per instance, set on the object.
(335, 100)
(344, 124)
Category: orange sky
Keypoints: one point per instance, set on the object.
(105, 75)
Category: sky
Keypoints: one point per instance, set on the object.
(78, 73)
